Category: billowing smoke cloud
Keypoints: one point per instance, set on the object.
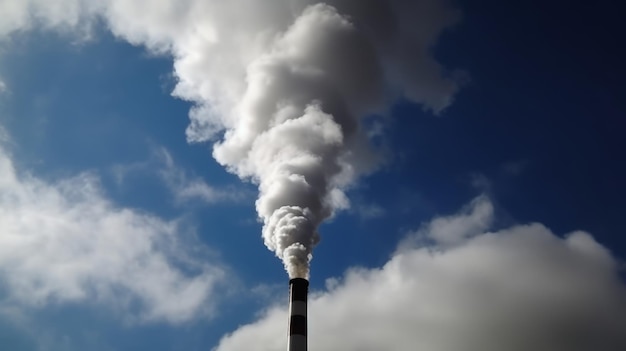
(281, 86)
(297, 132)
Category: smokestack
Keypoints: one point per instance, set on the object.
(298, 291)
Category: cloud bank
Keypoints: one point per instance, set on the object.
(517, 289)
(64, 242)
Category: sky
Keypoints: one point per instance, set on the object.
(447, 174)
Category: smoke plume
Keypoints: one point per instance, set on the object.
(298, 132)
(280, 86)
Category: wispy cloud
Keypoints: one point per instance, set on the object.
(64, 241)
(368, 211)
(516, 289)
(186, 187)
(515, 168)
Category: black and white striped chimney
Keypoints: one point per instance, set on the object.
(298, 291)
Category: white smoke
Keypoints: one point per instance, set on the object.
(297, 130)
(281, 86)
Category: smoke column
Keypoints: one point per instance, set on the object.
(296, 127)
(298, 131)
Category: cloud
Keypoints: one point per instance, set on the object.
(3, 87)
(184, 186)
(515, 168)
(519, 289)
(369, 210)
(189, 188)
(64, 242)
(475, 218)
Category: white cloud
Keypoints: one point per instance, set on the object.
(518, 289)
(473, 219)
(64, 242)
(3, 87)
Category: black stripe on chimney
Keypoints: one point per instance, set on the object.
(297, 325)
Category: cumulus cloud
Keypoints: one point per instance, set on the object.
(64, 242)
(518, 289)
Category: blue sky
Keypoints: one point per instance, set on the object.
(518, 178)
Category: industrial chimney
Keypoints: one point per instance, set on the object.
(298, 291)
